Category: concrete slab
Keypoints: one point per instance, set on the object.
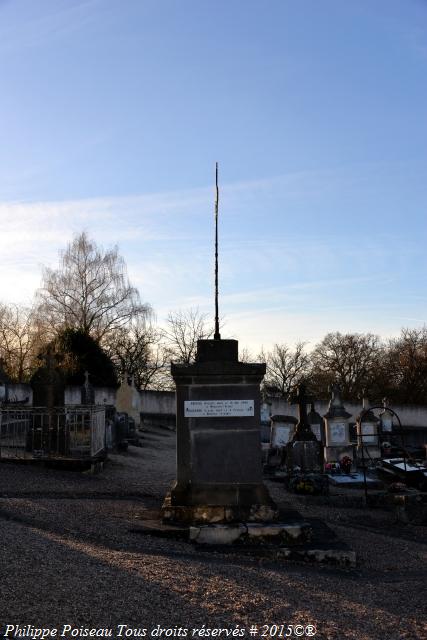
(353, 480)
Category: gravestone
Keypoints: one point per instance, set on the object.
(219, 468)
(48, 434)
(47, 383)
(386, 420)
(88, 391)
(128, 399)
(304, 451)
(367, 425)
(282, 430)
(317, 424)
(265, 413)
(337, 428)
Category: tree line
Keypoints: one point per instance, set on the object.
(87, 305)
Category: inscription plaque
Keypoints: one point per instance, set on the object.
(218, 408)
(280, 436)
(337, 431)
(369, 434)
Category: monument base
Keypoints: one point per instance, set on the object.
(305, 455)
(226, 504)
(336, 453)
(371, 452)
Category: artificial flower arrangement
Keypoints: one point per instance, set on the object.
(345, 464)
(332, 467)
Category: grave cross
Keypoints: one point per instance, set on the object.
(301, 398)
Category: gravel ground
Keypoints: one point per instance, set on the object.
(69, 557)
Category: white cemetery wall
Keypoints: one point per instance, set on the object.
(19, 392)
(410, 415)
(158, 402)
(105, 395)
(73, 394)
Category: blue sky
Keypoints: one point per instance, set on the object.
(112, 115)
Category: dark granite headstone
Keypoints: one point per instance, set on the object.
(219, 467)
(48, 435)
(47, 384)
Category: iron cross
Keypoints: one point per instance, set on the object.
(301, 398)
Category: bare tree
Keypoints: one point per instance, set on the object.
(350, 359)
(21, 337)
(245, 355)
(286, 368)
(184, 329)
(405, 367)
(138, 351)
(90, 291)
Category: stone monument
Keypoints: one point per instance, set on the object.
(367, 425)
(48, 434)
(219, 462)
(47, 383)
(282, 430)
(219, 467)
(128, 399)
(337, 428)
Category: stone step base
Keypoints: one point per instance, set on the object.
(210, 514)
(340, 557)
(251, 533)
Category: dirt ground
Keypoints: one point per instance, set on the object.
(71, 555)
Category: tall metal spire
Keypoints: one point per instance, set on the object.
(217, 335)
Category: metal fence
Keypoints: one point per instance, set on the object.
(71, 432)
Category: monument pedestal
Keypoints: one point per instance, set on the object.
(219, 464)
(336, 453)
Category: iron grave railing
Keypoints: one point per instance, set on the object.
(72, 432)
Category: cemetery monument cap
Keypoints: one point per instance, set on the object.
(366, 415)
(336, 407)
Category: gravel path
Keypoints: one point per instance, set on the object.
(68, 556)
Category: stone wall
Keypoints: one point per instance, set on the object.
(162, 402)
(19, 392)
(103, 395)
(410, 415)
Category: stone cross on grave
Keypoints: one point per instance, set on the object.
(49, 359)
(303, 430)
(46, 382)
